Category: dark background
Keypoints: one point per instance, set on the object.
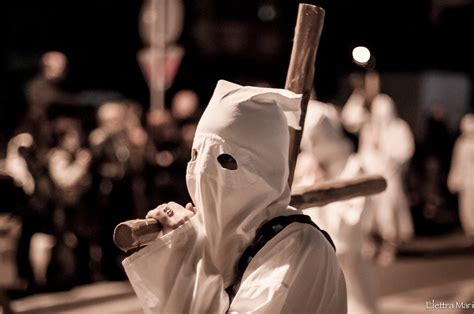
(101, 40)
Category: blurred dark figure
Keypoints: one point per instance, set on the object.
(142, 157)
(75, 223)
(438, 141)
(12, 198)
(166, 181)
(438, 146)
(111, 151)
(44, 90)
(186, 111)
(26, 165)
(435, 199)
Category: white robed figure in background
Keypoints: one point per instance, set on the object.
(238, 179)
(461, 174)
(326, 154)
(386, 145)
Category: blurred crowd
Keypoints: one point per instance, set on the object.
(67, 183)
(366, 136)
(423, 169)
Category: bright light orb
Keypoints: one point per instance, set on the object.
(361, 55)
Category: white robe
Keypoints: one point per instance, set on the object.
(295, 272)
(461, 174)
(344, 221)
(385, 148)
(188, 270)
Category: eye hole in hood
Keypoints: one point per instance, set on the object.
(227, 162)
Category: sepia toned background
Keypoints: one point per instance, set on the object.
(88, 104)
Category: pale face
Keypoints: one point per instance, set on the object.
(185, 103)
(112, 117)
(383, 108)
(54, 65)
(71, 141)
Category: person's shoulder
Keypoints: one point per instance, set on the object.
(308, 237)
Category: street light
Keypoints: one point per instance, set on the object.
(361, 55)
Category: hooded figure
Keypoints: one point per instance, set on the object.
(238, 179)
(461, 175)
(386, 145)
(326, 154)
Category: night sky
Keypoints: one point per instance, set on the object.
(101, 40)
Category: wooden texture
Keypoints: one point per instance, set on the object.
(338, 190)
(300, 76)
(132, 234)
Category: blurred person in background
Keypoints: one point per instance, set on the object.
(327, 154)
(167, 182)
(186, 111)
(386, 146)
(42, 92)
(142, 156)
(438, 140)
(25, 164)
(111, 152)
(185, 107)
(45, 89)
(355, 111)
(437, 148)
(461, 175)
(75, 222)
(12, 200)
(16, 165)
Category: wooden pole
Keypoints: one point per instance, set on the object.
(309, 25)
(131, 234)
(323, 193)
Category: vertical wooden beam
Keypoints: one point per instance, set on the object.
(309, 25)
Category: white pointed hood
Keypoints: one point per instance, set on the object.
(324, 139)
(249, 124)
